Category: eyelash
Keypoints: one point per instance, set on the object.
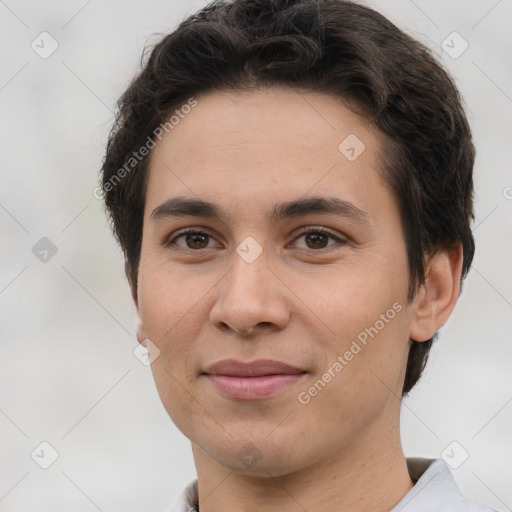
(305, 231)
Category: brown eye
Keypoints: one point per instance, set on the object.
(194, 239)
(318, 239)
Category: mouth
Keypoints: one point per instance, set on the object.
(252, 380)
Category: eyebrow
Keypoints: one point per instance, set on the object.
(182, 206)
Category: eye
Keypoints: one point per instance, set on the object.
(194, 239)
(316, 238)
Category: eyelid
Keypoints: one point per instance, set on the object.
(318, 229)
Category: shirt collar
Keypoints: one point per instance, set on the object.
(434, 489)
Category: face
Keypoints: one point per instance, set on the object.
(282, 323)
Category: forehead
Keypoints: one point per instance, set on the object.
(266, 146)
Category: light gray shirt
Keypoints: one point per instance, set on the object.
(435, 490)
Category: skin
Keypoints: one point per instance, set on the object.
(297, 302)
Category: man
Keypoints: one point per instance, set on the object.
(291, 183)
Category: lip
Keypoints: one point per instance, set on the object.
(258, 368)
(252, 380)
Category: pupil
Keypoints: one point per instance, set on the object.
(317, 239)
(194, 238)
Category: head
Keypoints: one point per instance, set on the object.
(251, 106)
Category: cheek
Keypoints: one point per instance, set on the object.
(368, 343)
(172, 323)
(174, 389)
(172, 306)
(174, 327)
(169, 313)
(358, 296)
(166, 298)
(359, 380)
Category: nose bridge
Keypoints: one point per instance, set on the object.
(249, 275)
(250, 294)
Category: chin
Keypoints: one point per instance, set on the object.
(258, 455)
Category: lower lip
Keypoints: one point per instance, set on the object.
(251, 388)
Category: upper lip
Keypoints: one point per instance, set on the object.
(257, 368)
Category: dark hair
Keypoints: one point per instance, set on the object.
(333, 46)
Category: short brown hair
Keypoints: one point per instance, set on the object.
(333, 46)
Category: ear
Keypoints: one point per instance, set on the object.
(141, 331)
(437, 297)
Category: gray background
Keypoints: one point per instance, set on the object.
(68, 375)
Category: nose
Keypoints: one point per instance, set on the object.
(251, 299)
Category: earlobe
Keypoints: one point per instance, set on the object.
(140, 330)
(437, 297)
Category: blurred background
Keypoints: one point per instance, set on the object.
(74, 398)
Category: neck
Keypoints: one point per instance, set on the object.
(370, 474)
